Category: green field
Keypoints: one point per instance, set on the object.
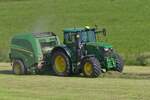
(133, 84)
(127, 21)
(128, 25)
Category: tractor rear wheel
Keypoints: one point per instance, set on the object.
(61, 63)
(91, 67)
(119, 63)
(18, 67)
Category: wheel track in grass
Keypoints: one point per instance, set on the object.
(3, 64)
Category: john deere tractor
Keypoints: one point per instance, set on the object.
(81, 52)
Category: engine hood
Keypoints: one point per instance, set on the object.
(99, 44)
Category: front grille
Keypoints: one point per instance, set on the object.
(109, 59)
(108, 53)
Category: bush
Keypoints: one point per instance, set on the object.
(143, 59)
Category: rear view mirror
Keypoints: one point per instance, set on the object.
(103, 31)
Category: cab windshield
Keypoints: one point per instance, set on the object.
(88, 36)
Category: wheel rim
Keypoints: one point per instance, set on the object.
(88, 68)
(60, 64)
(17, 68)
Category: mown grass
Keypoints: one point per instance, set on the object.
(127, 21)
(111, 86)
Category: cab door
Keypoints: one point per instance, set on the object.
(70, 41)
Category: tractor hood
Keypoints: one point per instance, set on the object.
(99, 44)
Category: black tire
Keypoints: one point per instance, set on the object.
(119, 63)
(18, 67)
(95, 67)
(66, 67)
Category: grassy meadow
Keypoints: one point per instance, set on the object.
(128, 26)
(133, 84)
(127, 22)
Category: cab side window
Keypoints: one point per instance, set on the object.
(69, 38)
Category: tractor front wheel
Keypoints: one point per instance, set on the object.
(91, 67)
(119, 63)
(61, 63)
(18, 67)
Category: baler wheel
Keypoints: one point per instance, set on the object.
(18, 67)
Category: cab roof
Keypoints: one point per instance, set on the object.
(73, 30)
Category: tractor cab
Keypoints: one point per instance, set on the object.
(84, 35)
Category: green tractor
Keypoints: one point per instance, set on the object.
(81, 52)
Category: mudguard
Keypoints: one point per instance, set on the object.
(64, 48)
(87, 56)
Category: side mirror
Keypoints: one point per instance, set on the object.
(103, 31)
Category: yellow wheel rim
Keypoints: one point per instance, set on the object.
(88, 68)
(60, 64)
(17, 69)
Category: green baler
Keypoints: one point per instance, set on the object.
(31, 51)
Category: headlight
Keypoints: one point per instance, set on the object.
(106, 49)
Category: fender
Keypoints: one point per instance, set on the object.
(87, 56)
(63, 48)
